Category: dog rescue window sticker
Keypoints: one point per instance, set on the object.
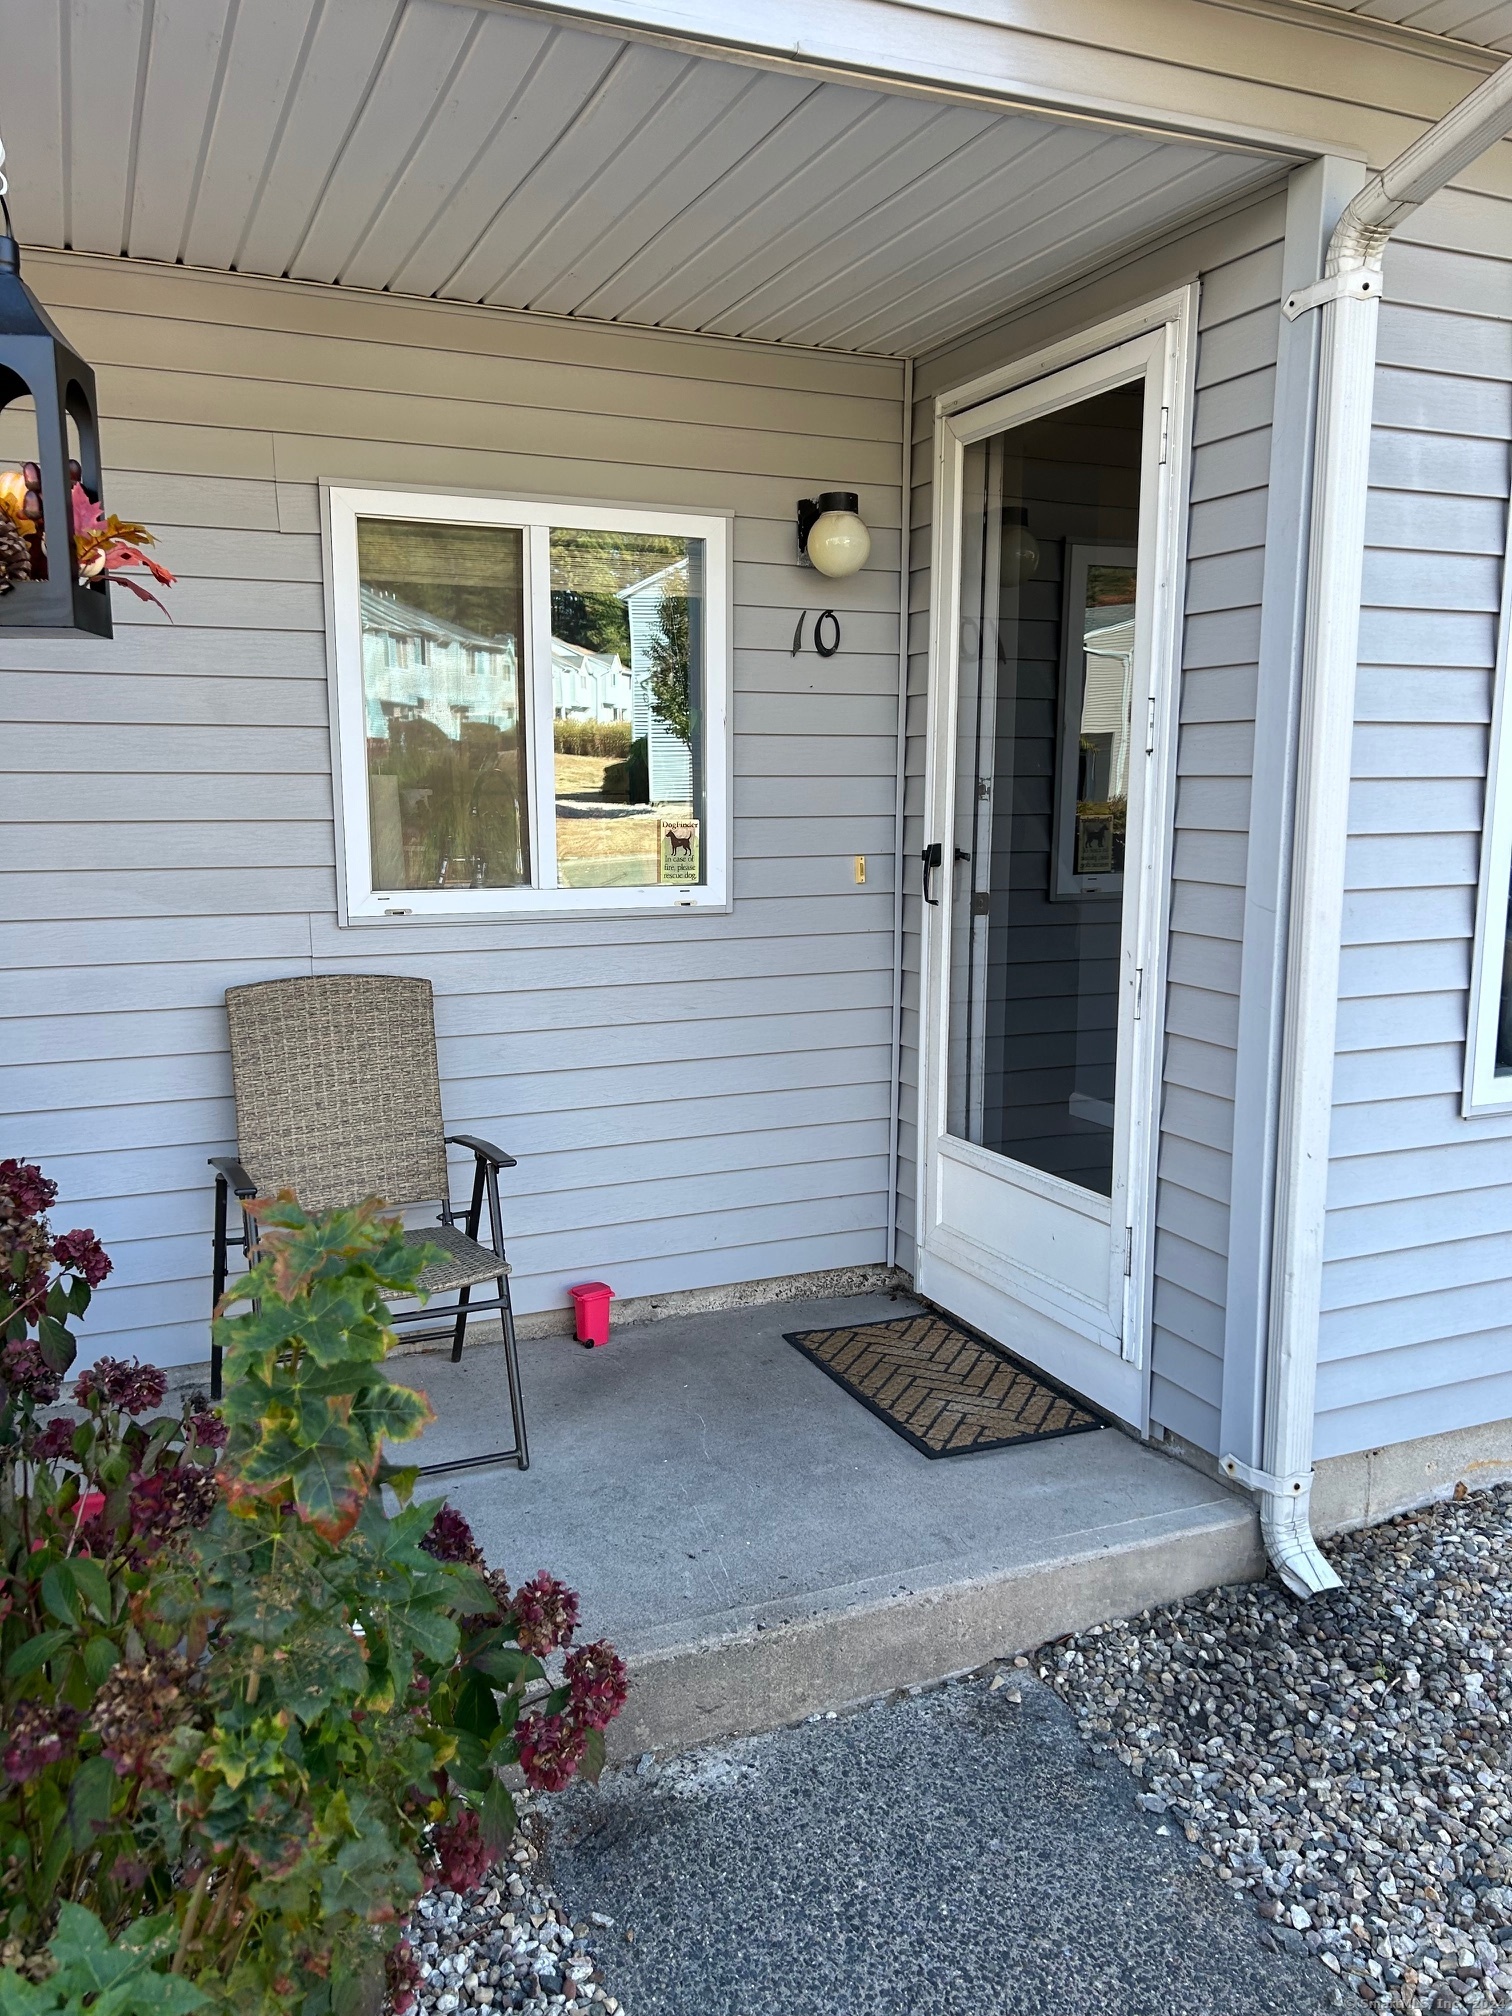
(677, 857)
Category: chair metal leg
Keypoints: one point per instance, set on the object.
(512, 1368)
(218, 1278)
(461, 1327)
(220, 1272)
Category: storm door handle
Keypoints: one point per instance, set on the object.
(931, 857)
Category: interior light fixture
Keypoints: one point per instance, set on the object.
(831, 533)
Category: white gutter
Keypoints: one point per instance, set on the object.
(1349, 294)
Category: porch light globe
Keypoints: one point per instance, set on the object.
(838, 544)
(1020, 553)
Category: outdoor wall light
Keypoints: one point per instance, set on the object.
(831, 534)
(1020, 551)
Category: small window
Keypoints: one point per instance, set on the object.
(1488, 1054)
(530, 706)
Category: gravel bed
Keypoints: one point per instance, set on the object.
(1346, 1760)
(508, 1945)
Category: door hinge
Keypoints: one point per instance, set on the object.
(1150, 728)
(1165, 432)
(1128, 1252)
(1138, 992)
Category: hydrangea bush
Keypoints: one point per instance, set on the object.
(250, 1689)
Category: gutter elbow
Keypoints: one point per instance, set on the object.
(1286, 1528)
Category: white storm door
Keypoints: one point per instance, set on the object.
(1053, 684)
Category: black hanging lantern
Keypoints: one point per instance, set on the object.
(40, 590)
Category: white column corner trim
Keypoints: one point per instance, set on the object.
(1330, 657)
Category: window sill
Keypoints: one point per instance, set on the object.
(541, 906)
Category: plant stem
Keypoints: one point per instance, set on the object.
(191, 1916)
(225, 1896)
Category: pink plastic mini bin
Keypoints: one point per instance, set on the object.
(592, 1299)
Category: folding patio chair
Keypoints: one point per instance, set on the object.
(338, 1098)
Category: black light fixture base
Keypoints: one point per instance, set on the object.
(812, 508)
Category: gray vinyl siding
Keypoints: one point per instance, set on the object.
(694, 1100)
(1416, 1335)
(1238, 260)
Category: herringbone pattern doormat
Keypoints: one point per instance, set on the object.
(944, 1390)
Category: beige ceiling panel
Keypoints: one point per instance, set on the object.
(435, 148)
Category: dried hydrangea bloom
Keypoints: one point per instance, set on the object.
(136, 1709)
(459, 1849)
(24, 1191)
(598, 1683)
(451, 1539)
(169, 1502)
(55, 1443)
(545, 1614)
(40, 1733)
(402, 1973)
(207, 1430)
(24, 1370)
(133, 1388)
(551, 1749)
(82, 1253)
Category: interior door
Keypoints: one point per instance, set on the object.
(1056, 552)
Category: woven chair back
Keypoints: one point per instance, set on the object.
(337, 1092)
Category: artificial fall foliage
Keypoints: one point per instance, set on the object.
(250, 1693)
(101, 545)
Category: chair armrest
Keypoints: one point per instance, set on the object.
(484, 1150)
(231, 1171)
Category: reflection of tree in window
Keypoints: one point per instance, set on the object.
(588, 571)
(441, 622)
(671, 701)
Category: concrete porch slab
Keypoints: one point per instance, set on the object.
(760, 1547)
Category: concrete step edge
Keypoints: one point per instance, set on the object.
(738, 1682)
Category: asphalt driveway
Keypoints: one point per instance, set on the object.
(962, 1850)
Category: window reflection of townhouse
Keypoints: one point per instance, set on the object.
(588, 685)
(463, 677)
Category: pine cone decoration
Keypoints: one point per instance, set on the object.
(15, 555)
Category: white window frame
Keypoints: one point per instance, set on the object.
(1484, 1091)
(359, 903)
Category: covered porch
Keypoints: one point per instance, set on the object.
(761, 1547)
(446, 247)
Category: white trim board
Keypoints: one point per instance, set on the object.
(1485, 1091)
(358, 902)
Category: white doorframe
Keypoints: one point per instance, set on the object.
(1102, 1352)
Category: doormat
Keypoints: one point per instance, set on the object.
(941, 1388)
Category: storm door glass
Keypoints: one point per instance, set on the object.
(442, 634)
(1045, 738)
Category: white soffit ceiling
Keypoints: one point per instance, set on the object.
(466, 153)
(1490, 25)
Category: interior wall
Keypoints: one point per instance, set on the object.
(1238, 261)
(695, 1100)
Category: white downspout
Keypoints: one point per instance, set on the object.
(1349, 295)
